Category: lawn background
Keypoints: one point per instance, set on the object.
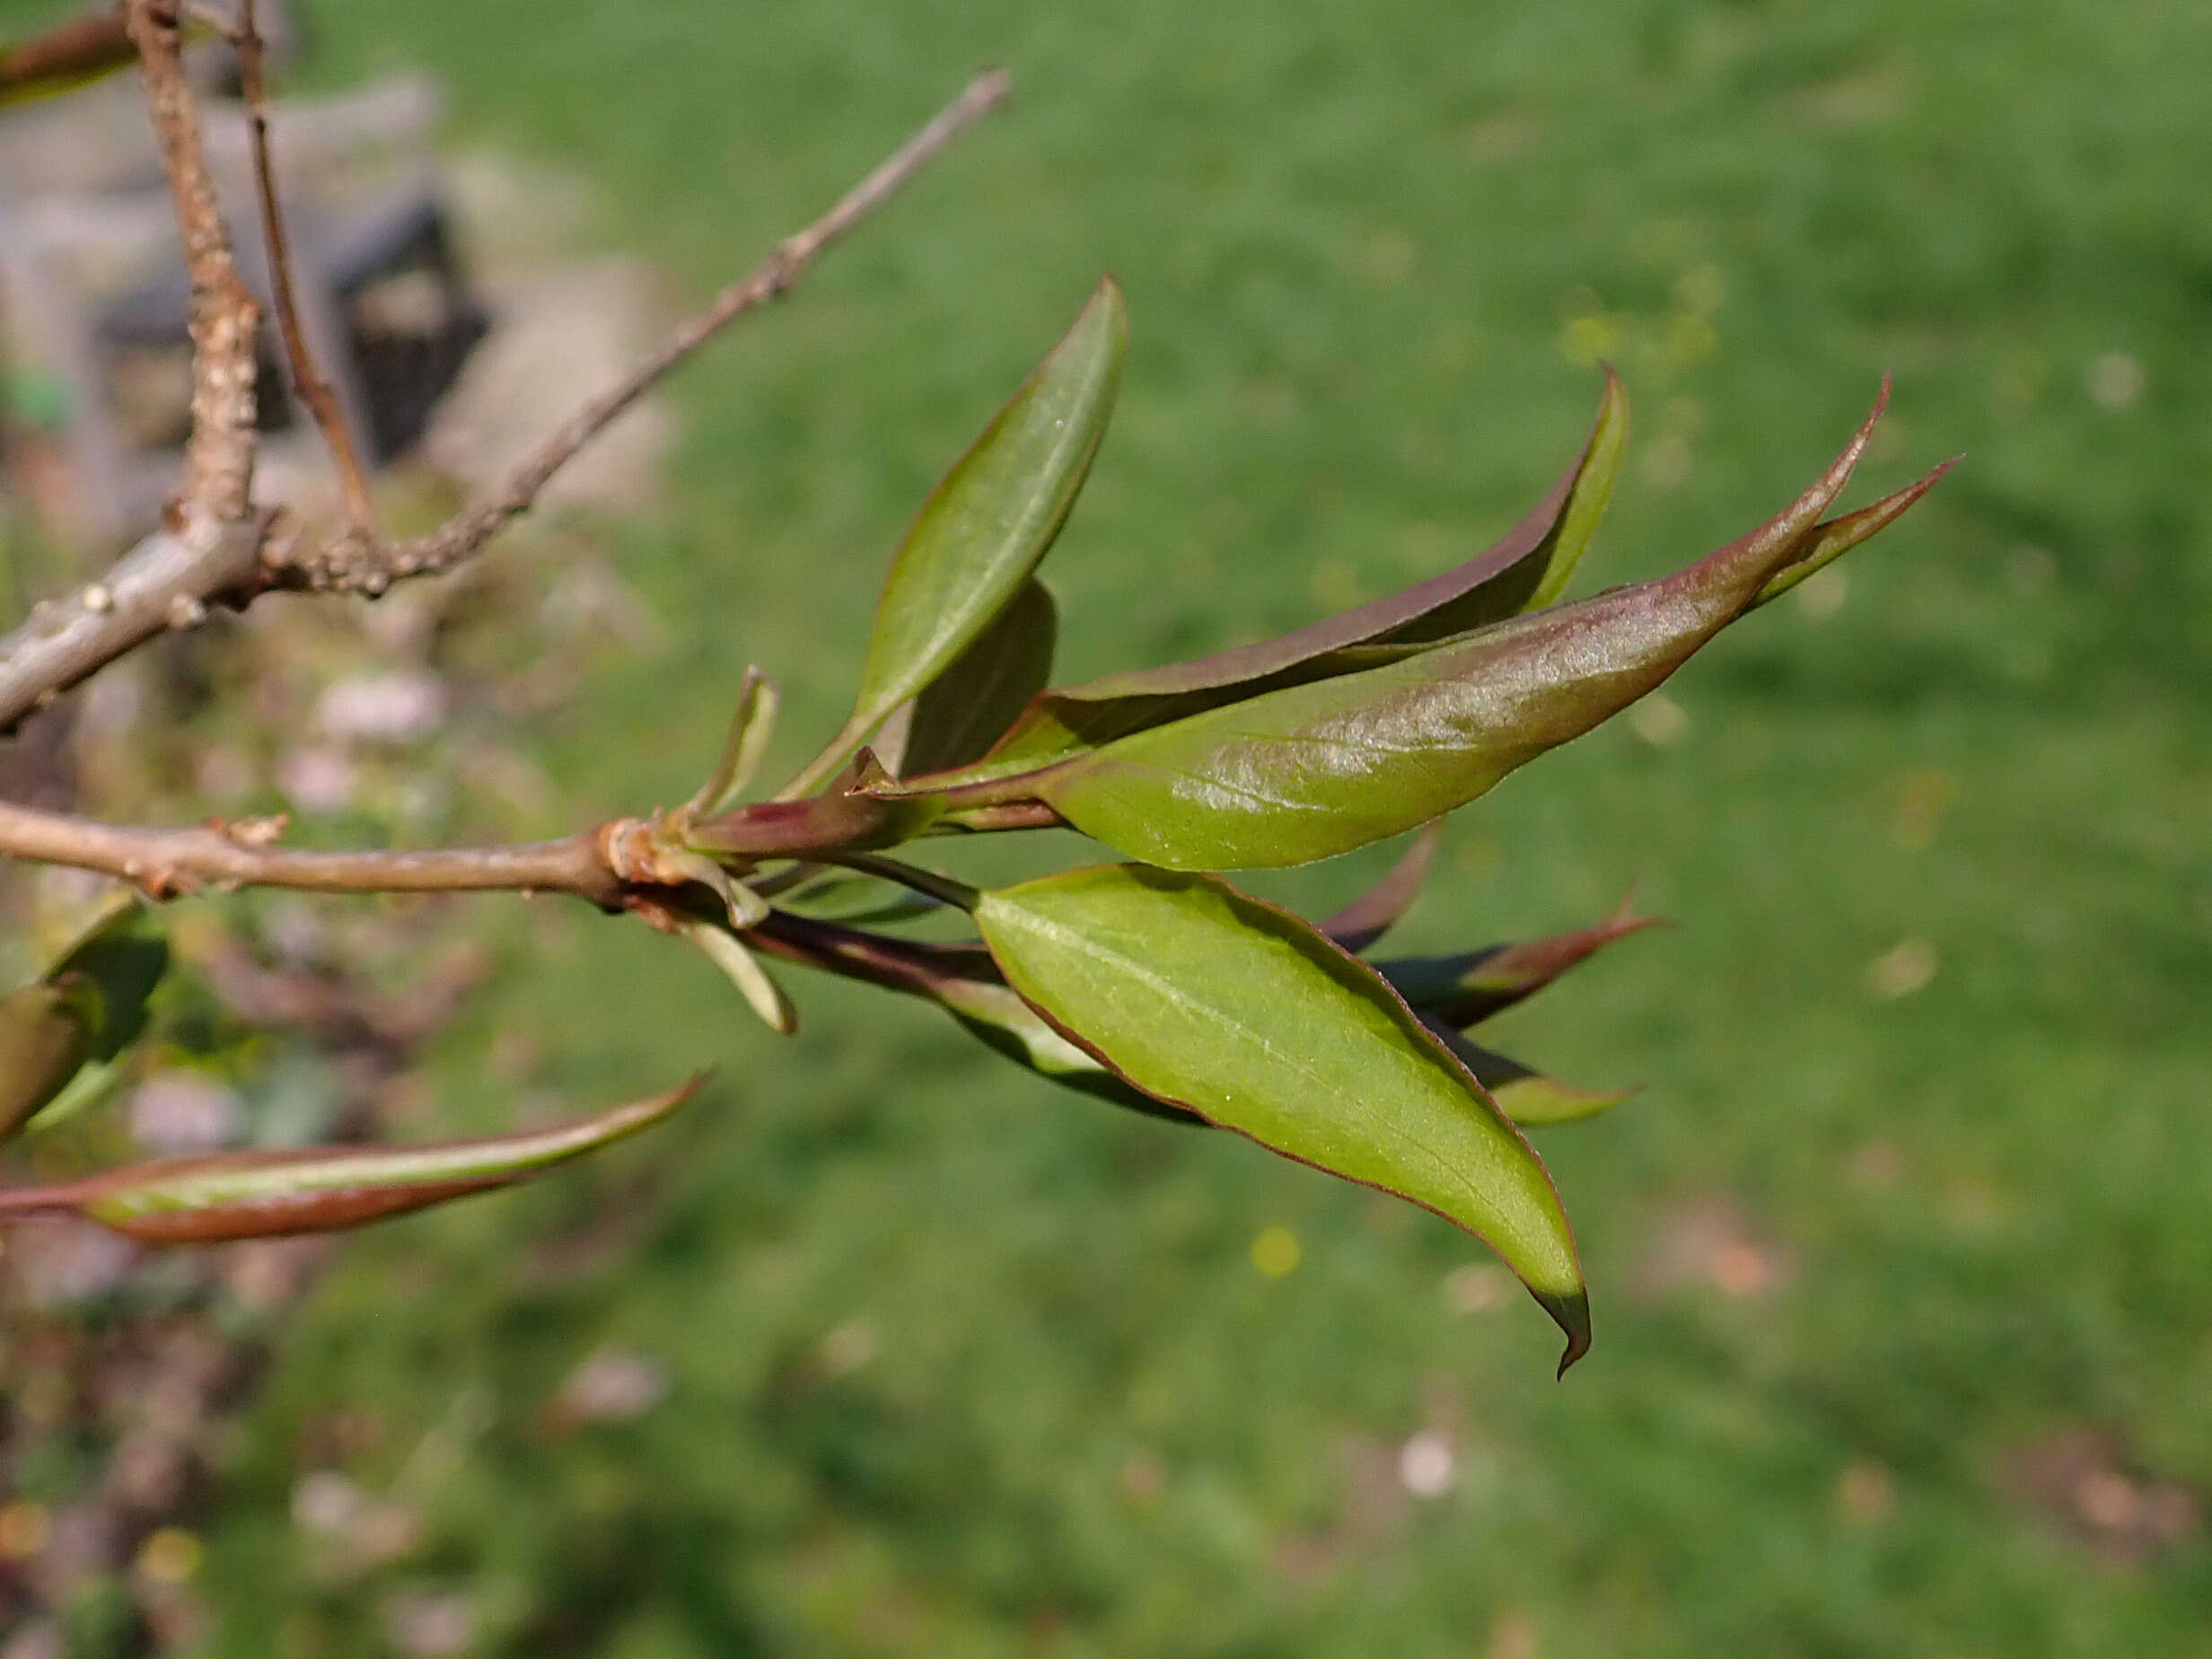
(1368, 249)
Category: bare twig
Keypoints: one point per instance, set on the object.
(49, 653)
(165, 582)
(218, 457)
(356, 565)
(253, 54)
(168, 862)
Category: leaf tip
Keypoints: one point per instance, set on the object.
(1109, 304)
(1571, 1313)
(1865, 434)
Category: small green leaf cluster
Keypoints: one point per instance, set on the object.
(1151, 983)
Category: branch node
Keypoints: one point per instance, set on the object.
(253, 831)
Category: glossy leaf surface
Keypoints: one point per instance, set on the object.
(1319, 770)
(989, 519)
(1528, 568)
(254, 1194)
(1233, 1010)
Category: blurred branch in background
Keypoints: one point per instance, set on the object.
(252, 72)
(209, 554)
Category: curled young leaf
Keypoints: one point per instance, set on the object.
(1217, 1004)
(317, 1190)
(988, 522)
(1375, 912)
(839, 820)
(1316, 771)
(1527, 568)
(751, 725)
(1467, 988)
(762, 995)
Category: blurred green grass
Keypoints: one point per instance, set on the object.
(1361, 242)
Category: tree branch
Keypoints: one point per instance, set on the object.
(357, 565)
(169, 862)
(165, 582)
(313, 390)
(218, 456)
(182, 569)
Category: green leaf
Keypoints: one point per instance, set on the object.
(1528, 568)
(1318, 769)
(988, 522)
(990, 1011)
(964, 710)
(124, 958)
(1528, 1097)
(965, 982)
(85, 1010)
(254, 1194)
(46, 1034)
(1233, 1010)
(95, 1080)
